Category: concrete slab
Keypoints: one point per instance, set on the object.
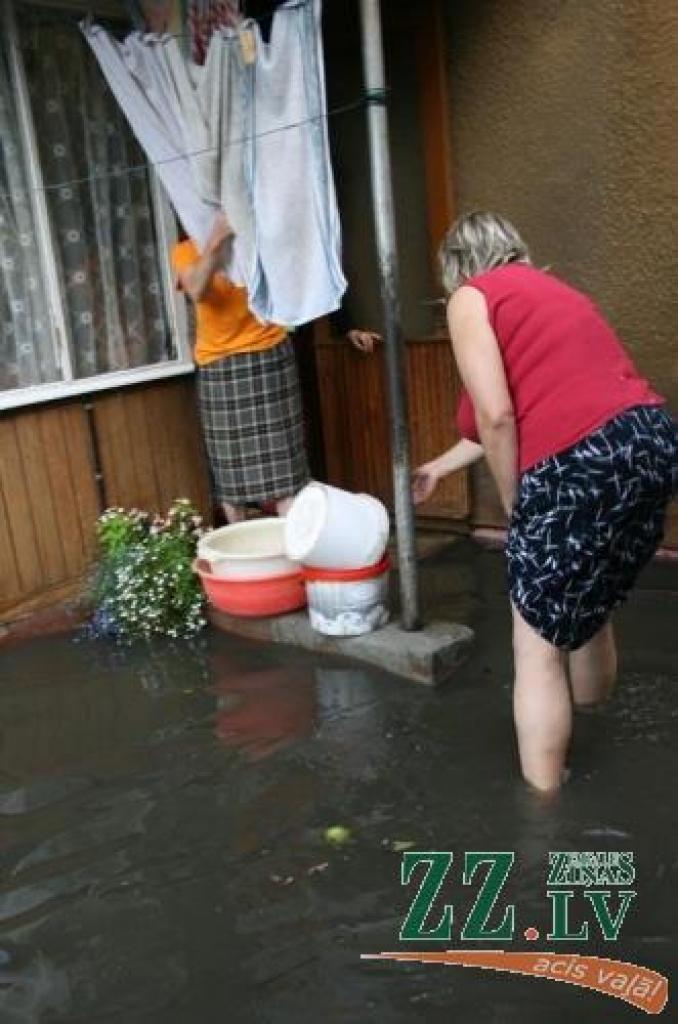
(428, 656)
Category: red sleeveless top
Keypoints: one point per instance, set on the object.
(566, 369)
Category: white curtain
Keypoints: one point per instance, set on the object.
(101, 213)
(27, 354)
(220, 136)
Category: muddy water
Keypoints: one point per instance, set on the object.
(163, 812)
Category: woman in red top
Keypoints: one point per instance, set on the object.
(583, 456)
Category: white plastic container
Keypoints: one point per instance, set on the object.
(348, 603)
(328, 528)
(253, 550)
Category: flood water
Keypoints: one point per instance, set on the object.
(163, 812)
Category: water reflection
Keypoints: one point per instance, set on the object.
(260, 713)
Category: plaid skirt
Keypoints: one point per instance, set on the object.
(252, 421)
(587, 520)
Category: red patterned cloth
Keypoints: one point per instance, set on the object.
(204, 17)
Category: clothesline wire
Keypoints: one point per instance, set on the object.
(148, 164)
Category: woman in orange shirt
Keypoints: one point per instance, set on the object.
(248, 386)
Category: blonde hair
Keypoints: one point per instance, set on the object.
(477, 242)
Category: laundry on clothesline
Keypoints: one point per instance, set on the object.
(247, 138)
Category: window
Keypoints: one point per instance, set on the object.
(86, 299)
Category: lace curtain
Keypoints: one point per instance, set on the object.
(27, 350)
(108, 261)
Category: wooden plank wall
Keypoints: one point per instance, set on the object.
(151, 452)
(151, 447)
(355, 428)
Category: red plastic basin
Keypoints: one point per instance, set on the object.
(254, 598)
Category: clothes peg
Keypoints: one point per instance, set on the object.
(248, 45)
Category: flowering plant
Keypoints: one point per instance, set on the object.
(146, 585)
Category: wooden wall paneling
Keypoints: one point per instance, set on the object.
(356, 419)
(367, 440)
(196, 449)
(67, 522)
(433, 390)
(48, 502)
(10, 578)
(44, 504)
(156, 404)
(79, 460)
(329, 358)
(176, 445)
(151, 447)
(114, 443)
(191, 480)
(142, 435)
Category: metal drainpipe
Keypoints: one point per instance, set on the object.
(384, 218)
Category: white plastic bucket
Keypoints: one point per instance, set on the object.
(253, 550)
(348, 603)
(333, 529)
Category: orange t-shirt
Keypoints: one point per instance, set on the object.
(224, 324)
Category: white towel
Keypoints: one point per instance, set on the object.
(219, 136)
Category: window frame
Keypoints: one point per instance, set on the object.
(166, 232)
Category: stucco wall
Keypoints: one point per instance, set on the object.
(564, 119)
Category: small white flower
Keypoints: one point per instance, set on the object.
(72, 235)
(59, 150)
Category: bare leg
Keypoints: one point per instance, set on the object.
(542, 707)
(593, 669)
(282, 505)
(234, 513)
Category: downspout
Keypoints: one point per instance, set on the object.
(384, 219)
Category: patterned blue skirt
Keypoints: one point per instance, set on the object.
(587, 520)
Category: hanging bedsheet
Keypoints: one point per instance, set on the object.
(250, 138)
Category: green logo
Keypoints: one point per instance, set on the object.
(586, 887)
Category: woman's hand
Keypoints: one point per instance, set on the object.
(195, 280)
(425, 479)
(222, 230)
(364, 341)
